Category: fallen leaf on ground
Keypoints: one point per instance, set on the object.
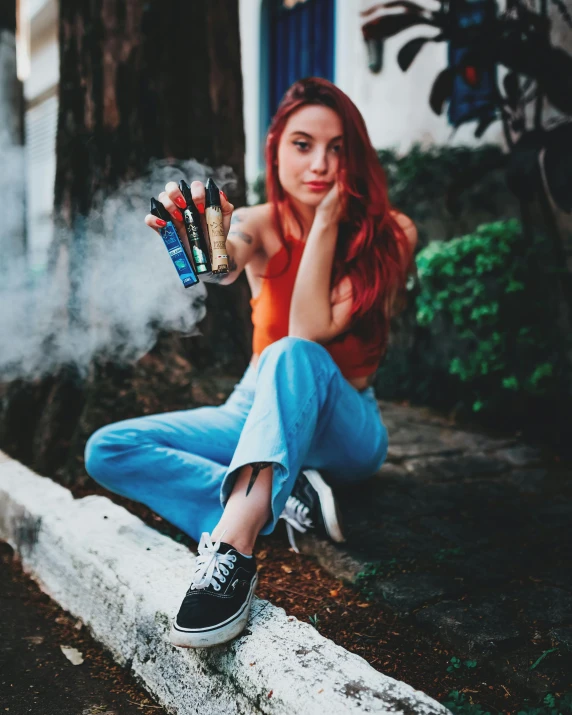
(36, 640)
(334, 593)
(286, 568)
(363, 605)
(261, 555)
(72, 654)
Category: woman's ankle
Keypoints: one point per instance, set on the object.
(243, 543)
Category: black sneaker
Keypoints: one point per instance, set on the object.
(216, 606)
(311, 505)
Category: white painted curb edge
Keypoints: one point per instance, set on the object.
(125, 581)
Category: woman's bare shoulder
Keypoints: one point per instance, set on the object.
(256, 221)
(404, 222)
(259, 215)
(408, 227)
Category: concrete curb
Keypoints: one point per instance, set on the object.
(125, 581)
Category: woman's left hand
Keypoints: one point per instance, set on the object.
(331, 206)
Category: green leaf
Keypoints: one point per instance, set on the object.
(514, 286)
(510, 383)
(541, 658)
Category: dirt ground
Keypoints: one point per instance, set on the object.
(35, 675)
(390, 643)
(340, 612)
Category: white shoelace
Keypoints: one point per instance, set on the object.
(295, 515)
(210, 564)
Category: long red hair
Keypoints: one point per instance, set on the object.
(371, 245)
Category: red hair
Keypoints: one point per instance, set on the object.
(371, 245)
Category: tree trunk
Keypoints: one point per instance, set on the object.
(144, 80)
(139, 81)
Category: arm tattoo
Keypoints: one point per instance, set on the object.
(246, 237)
(235, 218)
(257, 467)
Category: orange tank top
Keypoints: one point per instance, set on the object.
(271, 310)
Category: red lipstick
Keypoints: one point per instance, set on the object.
(317, 185)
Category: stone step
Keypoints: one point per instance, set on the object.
(126, 581)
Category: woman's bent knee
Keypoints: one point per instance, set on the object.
(295, 348)
(98, 450)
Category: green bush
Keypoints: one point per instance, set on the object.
(258, 189)
(488, 297)
(458, 703)
(447, 190)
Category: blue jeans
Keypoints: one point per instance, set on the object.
(294, 409)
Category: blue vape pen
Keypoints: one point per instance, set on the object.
(173, 244)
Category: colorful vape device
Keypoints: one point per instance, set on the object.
(173, 244)
(197, 241)
(213, 214)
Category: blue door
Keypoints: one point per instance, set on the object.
(297, 42)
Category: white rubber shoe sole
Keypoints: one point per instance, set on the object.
(330, 513)
(214, 635)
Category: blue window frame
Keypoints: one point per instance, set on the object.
(479, 99)
(297, 40)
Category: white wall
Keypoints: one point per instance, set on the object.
(394, 104)
(41, 124)
(249, 17)
(41, 96)
(45, 66)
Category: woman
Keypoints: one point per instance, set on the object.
(325, 258)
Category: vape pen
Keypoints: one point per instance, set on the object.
(213, 213)
(197, 241)
(174, 246)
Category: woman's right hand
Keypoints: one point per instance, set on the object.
(173, 201)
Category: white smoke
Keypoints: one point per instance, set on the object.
(128, 288)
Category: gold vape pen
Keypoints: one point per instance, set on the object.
(213, 215)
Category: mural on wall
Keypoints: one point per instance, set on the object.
(481, 42)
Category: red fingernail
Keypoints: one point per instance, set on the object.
(223, 195)
(178, 215)
(160, 222)
(181, 203)
(201, 208)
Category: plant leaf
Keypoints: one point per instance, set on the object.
(523, 171)
(511, 89)
(541, 658)
(390, 25)
(484, 124)
(72, 654)
(441, 90)
(557, 163)
(555, 79)
(409, 52)
(405, 4)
